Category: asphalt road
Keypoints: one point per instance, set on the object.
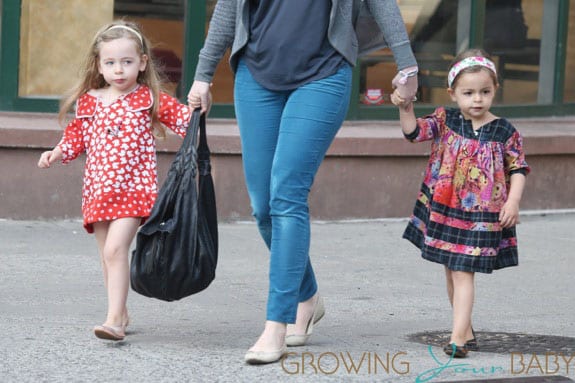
(377, 290)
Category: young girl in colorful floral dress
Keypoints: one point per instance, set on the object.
(119, 108)
(468, 205)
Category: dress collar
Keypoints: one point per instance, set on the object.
(139, 99)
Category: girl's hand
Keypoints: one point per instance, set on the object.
(200, 96)
(396, 98)
(399, 101)
(509, 214)
(49, 157)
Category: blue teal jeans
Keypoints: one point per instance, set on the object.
(284, 136)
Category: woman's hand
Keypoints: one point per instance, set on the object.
(200, 96)
(405, 82)
(49, 157)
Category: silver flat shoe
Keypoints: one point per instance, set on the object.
(110, 332)
(265, 357)
(295, 340)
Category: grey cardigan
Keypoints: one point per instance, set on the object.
(229, 28)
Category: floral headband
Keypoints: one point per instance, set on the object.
(467, 63)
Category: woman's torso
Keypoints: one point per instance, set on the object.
(229, 27)
(288, 44)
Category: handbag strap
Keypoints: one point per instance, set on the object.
(203, 149)
(203, 145)
(190, 140)
(197, 121)
(190, 144)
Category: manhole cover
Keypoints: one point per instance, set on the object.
(504, 342)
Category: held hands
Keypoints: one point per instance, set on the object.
(49, 157)
(399, 101)
(200, 96)
(509, 214)
(405, 84)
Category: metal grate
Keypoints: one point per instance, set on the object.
(503, 342)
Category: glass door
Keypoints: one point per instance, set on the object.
(51, 53)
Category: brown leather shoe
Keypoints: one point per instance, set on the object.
(471, 344)
(455, 350)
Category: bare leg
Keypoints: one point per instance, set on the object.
(118, 236)
(304, 313)
(101, 232)
(449, 282)
(463, 297)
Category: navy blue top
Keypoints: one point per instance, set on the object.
(288, 43)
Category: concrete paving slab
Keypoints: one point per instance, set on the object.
(377, 291)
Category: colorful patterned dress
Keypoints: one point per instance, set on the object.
(120, 178)
(455, 221)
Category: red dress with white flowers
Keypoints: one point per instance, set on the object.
(120, 178)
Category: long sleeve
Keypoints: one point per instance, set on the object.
(428, 127)
(72, 142)
(220, 37)
(387, 15)
(514, 155)
(174, 115)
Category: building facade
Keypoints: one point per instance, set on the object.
(368, 168)
(532, 43)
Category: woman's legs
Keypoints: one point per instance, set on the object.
(461, 292)
(258, 112)
(312, 116)
(114, 239)
(284, 138)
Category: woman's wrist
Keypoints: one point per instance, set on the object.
(410, 71)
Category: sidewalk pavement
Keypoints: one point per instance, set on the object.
(377, 291)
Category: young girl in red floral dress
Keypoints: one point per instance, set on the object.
(468, 205)
(119, 110)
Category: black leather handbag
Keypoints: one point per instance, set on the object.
(177, 248)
